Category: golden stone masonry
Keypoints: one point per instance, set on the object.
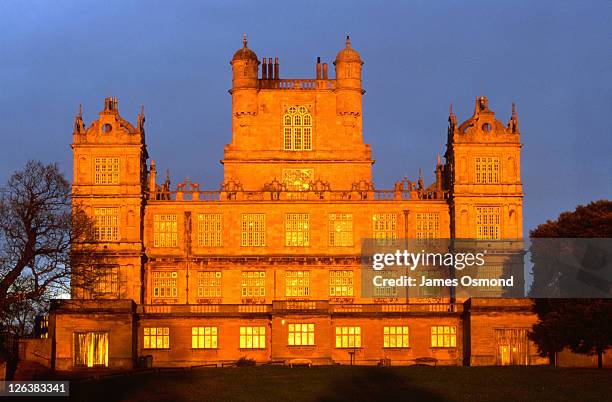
(268, 265)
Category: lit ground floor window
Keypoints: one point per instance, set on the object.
(156, 338)
(91, 349)
(301, 334)
(348, 337)
(204, 337)
(512, 346)
(395, 337)
(252, 337)
(443, 336)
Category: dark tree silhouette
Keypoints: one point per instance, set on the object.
(38, 225)
(582, 325)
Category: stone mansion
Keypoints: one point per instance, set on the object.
(268, 265)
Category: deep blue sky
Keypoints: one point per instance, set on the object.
(553, 58)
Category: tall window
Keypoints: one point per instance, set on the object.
(443, 336)
(297, 179)
(165, 284)
(107, 280)
(165, 230)
(395, 337)
(297, 129)
(91, 349)
(253, 337)
(512, 346)
(253, 230)
(341, 283)
(156, 338)
(427, 225)
(106, 224)
(386, 291)
(301, 335)
(253, 283)
(209, 230)
(297, 230)
(348, 337)
(106, 170)
(384, 226)
(340, 229)
(490, 271)
(297, 283)
(487, 170)
(204, 337)
(209, 284)
(487, 222)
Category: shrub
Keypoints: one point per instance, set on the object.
(245, 362)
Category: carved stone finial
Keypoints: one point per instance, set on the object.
(244, 40)
(348, 41)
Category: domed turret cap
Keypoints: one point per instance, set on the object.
(348, 53)
(244, 53)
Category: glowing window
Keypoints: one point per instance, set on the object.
(386, 291)
(384, 226)
(253, 230)
(91, 349)
(106, 170)
(297, 283)
(300, 334)
(156, 338)
(165, 230)
(253, 283)
(487, 222)
(341, 229)
(297, 230)
(252, 337)
(443, 336)
(204, 337)
(341, 283)
(106, 224)
(209, 230)
(487, 170)
(395, 337)
(165, 284)
(209, 284)
(297, 129)
(348, 337)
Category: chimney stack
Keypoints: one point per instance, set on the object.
(264, 69)
(318, 68)
(276, 69)
(324, 71)
(270, 69)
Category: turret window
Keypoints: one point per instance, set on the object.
(487, 170)
(487, 222)
(106, 224)
(106, 170)
(297, 129)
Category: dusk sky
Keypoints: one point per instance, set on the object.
(553, 58)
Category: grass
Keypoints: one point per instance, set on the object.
(342, 383)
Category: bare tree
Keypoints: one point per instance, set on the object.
(38, 225)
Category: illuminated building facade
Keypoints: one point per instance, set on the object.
(268, 266)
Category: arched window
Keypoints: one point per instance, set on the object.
(297, 129)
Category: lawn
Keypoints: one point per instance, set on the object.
(342, 383)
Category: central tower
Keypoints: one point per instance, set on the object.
(293, 133)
